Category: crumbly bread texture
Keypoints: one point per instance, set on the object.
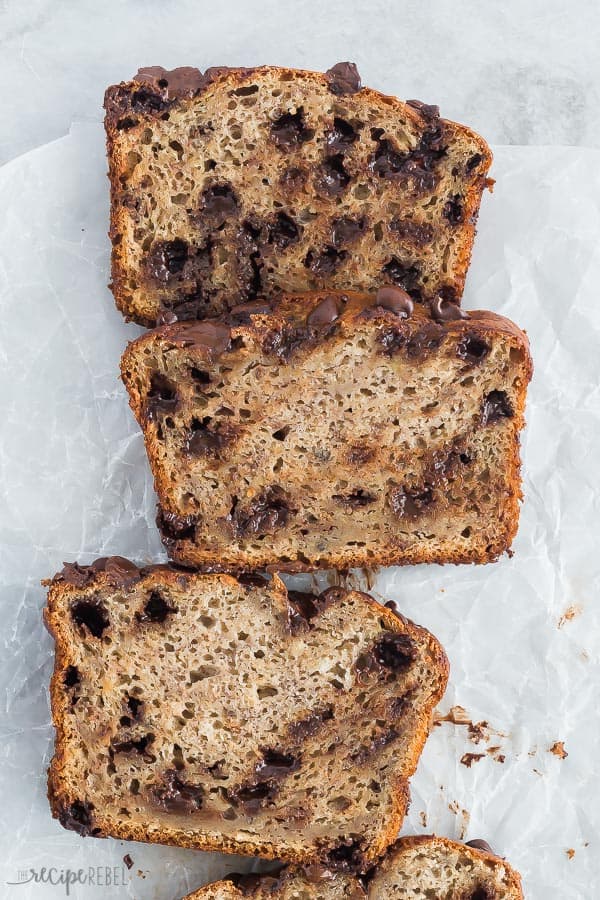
(206, 712)
(241, 182)
(413, 869)
(335, 430)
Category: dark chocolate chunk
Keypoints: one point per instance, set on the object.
(341, 137)
(346, 230)
(200, 375)
(134, 705)
(309, 726)
(472, 348)
(483, 892)
(479, 844)
(326, 262)
(147, 101)
(355, 499)
(496, 406)
(453, 210)
(473, 162)
(410, 503)
(331, 177)
(325, 312)
(184, 81)
(77, 816)
(419, 234)
(219, 203)
(276, 765)
(166, 259)
(252, 796)
(406, 275)
(121, 572)
(429, 111)
(304, 607)
(395, 651)
(265, 515)
(424, 340)
(443, 310)
(347, 856)
(251, 883)
(156, 609)
(366, 751)
(79, 576)
(126, 123)
(283, 231)
(209, 440)
(128, 861)
(283, 342)
(343, 78)
(128, 745)
(176, 796)
(162, 397)
(174, 527)
(251, 579)
(213, 338)
(71, 676)
(396, 299)
(289, 130)
(387, 162)
(90, 613)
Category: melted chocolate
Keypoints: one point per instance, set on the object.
(121, 572)
(479, 844)
(265, 515)
(325, 312)
(90, 613)
(176, 796)
(213, 338)
(346, 230)
(395, 299)
(156, 609)
(496, 406)
(78, 817)
(289, 130)
(446, 311)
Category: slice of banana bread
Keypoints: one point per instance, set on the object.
(242, 182)
(413, 869)
(206, 712)
(336, 430)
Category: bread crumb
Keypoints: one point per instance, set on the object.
(467, 759)
(570, 853)
(423, 817)
(558, 749)
(569, 614)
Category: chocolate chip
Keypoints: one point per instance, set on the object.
(453, 210)
(443, 310)
(406, 275)
(265, 515)
(219, 203)
(213, 338)
(417, 233)
(427, 110)
(77, 817)
(284, 341)
(289, 130)
(483, 892)
(126, 123)
(472, 348)
(326, 262)
(473, 162)
(71, 676)
(325, 312)
(134, 705)
(496, 406)
(145, 100)
(128, 861)
(479, 844)
(303, 608)
(184, 81)
(276, 765)
(395, 299)
(174, 527)
(252, 795)
(166, 259)
(355, 499)
(387, 162)
(346, 230)
(347, 857)
(341, 137)
(156, 609)
(395, 651)
(332, 178)
(283, 231)
(176, 796)
(121, 572)
(133, 745)
(205, 440)
(309, 726)
(423, 341)
(410, 503)
(91, 614)
(162, 397)
(343, 78)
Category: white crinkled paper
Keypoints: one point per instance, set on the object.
(523, 635)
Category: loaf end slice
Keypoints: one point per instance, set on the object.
(206, 712)
(333, 430)
(242, 182)
(413, 868)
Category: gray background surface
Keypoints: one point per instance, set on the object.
(520, 71)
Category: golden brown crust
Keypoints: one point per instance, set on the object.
(144, 309)
(65, 798)
(290, 309)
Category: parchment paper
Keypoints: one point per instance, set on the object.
(523, 635)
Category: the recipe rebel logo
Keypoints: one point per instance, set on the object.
(92, 876)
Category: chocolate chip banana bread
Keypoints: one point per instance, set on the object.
(238, 183)
(206, 712)
(413, 869)
(332, 431)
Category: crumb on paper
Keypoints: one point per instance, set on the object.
(465, 816)
(456, 715)
(423, 817)
(494, 752)
(558, 749)
(128, 861)
(477, 731)
(569, 614)
(537, 772)
(467, 759)
(570, 853)
(141, 873)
